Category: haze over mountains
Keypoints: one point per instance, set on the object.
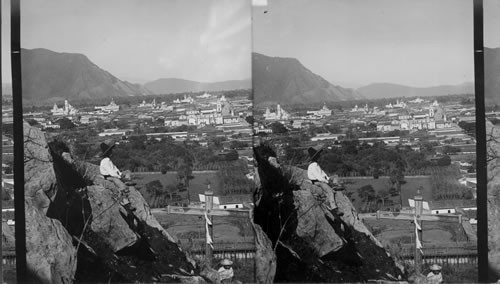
(286, 80)
(492, 75)
(388, 90)
(174, 85)
(52, 76)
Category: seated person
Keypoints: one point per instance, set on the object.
(435, 277)
(112, 173)
(226, 271)
(319, 178)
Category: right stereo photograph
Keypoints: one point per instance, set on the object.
(365, 140)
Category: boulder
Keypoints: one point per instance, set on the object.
(311, 244)
(265, 266)
(50, 254)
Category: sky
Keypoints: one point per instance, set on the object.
(491, 25)
(141, 41)
(357, 42)
(348, 42)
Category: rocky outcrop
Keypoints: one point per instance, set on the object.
(78, 231)
(50, 254)
(493, 138)
(265, 266)
(311, 244)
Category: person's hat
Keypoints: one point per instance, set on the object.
(313, 151)
(435, 267)
(106, 146)
(226, 262)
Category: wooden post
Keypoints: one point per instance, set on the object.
(418, 214)
(209, 202)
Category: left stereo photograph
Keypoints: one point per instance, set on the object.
(137, 136)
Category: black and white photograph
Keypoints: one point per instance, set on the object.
(366, 150)
(137, 141)
(250, 141)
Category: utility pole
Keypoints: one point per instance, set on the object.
(208, 211)
(418, 230)
(209, 202)
(417, 217)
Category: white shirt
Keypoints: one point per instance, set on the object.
(434, 278)
(314, 172)
(225, 273)
(107, 168)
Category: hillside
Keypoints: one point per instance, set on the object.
(388, 90)
(174, 85)
(280, 80)
(50, 76)
(492, 75)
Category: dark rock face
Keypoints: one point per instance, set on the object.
(311, 244)
(77, 229)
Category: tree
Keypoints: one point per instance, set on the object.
(278, 128)
(65, 123)
(171, 189)
(185, 174)
(447, 149)
(366, 193)
(249, 119)
(444, 161)
(232, 156)
(397, 179)
(155, 189)
(32, 122)
(383, 194)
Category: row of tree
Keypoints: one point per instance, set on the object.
(445, 186)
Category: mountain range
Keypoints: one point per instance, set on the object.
(286, 80)
(49, 75)
(388, 90)
(175, 85)
(52, 76)
(492, 75)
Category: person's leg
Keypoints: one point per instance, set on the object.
(328, 192)
(122, 189)
(118, 183)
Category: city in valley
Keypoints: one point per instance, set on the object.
(385, 152)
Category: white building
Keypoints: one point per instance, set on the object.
(112, 107)
(323, 112)
(67, 109)
(280, 114)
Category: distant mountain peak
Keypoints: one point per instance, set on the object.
(286, 80)
(49, 75)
